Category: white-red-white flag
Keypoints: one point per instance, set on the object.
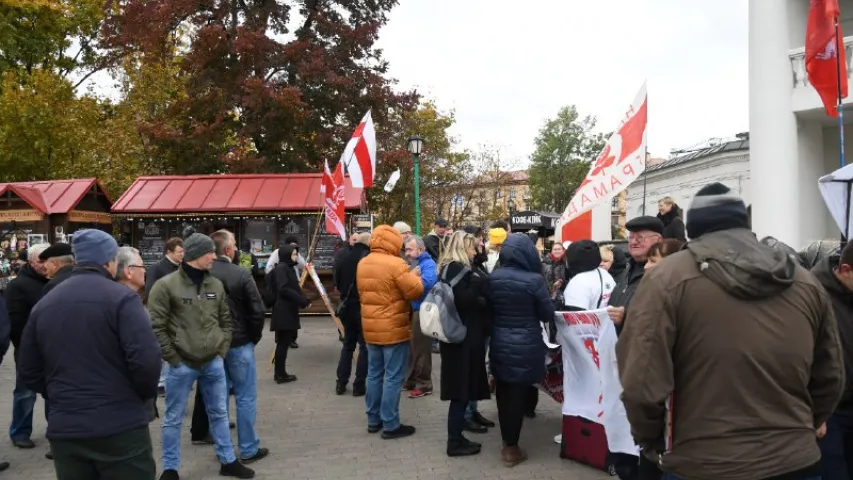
(334, 197)
(620, 163)
(360, 155)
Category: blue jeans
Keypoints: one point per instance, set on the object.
(240, 363)
(470, 409)
(836, 448)
(164, 372)
(386, 369)
(23, 404)
(211, 381)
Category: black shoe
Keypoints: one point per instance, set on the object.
(208, 440)
(236, 469)
(262, 453)
(401, 432)
(373, 428)
(49, 455)
(161, 391)
(340, 388)
(476, 444)
(170, 475)
(26, 444)
(479, 418)
(461, 448)
(232, 425)
(530, 414)
(358, 391)
(285, 379)
(294, 344)
(474, 427)
(4, 466)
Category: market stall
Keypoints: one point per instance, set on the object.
(262, 210)
(47, 212)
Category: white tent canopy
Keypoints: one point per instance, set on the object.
(835, 189)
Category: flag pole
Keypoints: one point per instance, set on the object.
(838, 55)
(645, 176)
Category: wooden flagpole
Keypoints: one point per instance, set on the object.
(312, 247)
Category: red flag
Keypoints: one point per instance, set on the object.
(332, 188)
(823, 60)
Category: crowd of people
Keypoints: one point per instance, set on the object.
(732, 361)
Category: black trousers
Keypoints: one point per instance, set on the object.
(351, 319)
(283, 339)
(200, 427)
(531, 400)
(456, 419)
(512, 400)
(126, 456)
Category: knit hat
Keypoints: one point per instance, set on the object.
(582, 256)
(93, 247)
(196, 245)
(715, 207)
(497, 236)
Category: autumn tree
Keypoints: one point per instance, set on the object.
(488, 190)
(565, 146)
(278, 85)
(442, 165)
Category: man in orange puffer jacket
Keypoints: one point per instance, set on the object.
(386, 288)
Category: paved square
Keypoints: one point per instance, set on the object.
(314, 434)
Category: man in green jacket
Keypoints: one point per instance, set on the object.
(190, 316)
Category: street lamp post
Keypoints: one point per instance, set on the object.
(415, 146)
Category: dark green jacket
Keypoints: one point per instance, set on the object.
(192, 324)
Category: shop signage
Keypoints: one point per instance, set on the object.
(80, 216)
(530, 220)
(24, 215)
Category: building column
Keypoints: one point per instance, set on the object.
(773, 140)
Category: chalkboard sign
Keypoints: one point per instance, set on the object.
(324, 252)
(151, 242)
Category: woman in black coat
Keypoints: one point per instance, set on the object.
(286, 298)
(463, 365)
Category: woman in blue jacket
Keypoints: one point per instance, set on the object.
(520, 301)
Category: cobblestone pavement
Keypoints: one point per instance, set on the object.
(314, 434)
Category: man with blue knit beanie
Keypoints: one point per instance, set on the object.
(98, 426)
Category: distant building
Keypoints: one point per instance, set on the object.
(681, 176)
(490, 197)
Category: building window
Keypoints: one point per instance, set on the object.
(511, 194)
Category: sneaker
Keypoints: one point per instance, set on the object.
(170, 475)
(373, 428)
(417, 393)
(340, 388)
(479, 418)
(294, 344)
(236, 469)
(558, 439)
(401, 432)
(262, 453)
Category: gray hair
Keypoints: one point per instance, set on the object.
(124, 258)
(419, 241)
(402, 227)
(64, 259)
(35, 250)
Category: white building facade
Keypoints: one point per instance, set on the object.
(682, 176)
(792, 140)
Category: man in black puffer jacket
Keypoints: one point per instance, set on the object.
(22, 294)
(836, 275)
(520, 301)
(345, 270)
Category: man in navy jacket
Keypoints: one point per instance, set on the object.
(89, 347)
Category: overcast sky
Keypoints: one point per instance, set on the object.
(505, 67)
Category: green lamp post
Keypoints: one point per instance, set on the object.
(415, 147)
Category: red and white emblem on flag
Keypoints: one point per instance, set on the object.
(334, 196)
(360, 155)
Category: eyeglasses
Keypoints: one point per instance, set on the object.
(642, 238)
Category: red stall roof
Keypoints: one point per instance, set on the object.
(52, 196)
(228, 193)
